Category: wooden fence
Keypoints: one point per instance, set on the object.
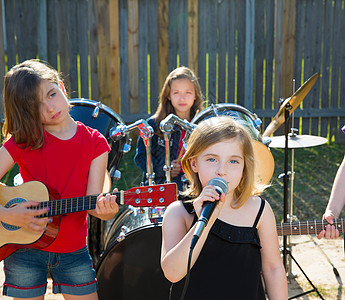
(247, 52)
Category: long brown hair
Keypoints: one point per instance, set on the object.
(165, 107)
(210, 132)
(22, 101)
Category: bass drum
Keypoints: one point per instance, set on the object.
(99, 116)
(264, 167)
(130, 265)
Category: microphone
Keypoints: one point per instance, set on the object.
(208, 208)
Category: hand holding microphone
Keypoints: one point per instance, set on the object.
(208, 207)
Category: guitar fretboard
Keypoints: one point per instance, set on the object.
(308, 227)
(65, 206)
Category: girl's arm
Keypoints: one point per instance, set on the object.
(177, 236)
(20, 215)
(106, 207)
(335, 204)
(273, 270)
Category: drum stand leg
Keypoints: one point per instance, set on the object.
(286, 247)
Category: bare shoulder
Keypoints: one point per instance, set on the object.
(254, 204)
(176, 211)
(176, 218)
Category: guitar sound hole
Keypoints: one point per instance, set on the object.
(9, 204)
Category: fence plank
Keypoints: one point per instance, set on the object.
(73, 47)
(62, 34)
(336, 29)
(202, 47)
(269, 51)
(103, 51)
(2, 63)
(83, 49)
(42, 47)
(240, 51)
(93, 48)
(133, 55)
(154, 41)
(212, 50)
(182, 25)
(52, 34)
(222, 49)
(249, 54)
(163, 41)
(123, 24)
(193, 35)
(231, 42)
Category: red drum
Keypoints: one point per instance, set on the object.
(130, 265)
(99, 116)
(264, 158)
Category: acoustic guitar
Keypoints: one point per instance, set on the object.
(13, 238)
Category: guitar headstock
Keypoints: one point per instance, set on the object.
(152, 195)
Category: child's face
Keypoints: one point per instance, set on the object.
(54, 103)
(224, 159)
(182, 96)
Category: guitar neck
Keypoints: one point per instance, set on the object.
(308, 227)
(144, 196)
(70, 205)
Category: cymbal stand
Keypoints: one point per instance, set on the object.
(286, 249)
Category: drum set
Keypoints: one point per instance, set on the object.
(127, 255)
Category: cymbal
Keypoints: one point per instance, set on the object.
(297, 141)
(291, 104)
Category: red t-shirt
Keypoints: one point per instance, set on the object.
(63, 166)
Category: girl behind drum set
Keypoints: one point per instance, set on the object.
(240, 242)
(182, 96)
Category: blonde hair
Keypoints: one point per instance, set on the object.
(22, 101)
(165, 107)
(210, 132)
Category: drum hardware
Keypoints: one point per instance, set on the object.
(287, 108)
(146, 132)
(290, 104)
(168, 166)
(96, 110)
(167, 126)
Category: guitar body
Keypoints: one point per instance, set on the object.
(13, 238)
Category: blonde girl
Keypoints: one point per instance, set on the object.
(239, 245)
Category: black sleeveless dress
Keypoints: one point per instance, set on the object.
(228, 267)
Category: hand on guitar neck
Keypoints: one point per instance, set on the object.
(330, 231)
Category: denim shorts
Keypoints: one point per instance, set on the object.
(26, 272)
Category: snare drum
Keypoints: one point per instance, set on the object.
(264, 167)
(99, 116)
(130, 265)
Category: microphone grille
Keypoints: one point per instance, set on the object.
(220, 183)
